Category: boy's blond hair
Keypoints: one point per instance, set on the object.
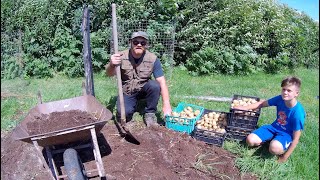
(291, 80)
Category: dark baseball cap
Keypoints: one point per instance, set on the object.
(139, 34)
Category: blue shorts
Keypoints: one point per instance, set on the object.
(268, 132)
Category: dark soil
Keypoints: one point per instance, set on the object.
(58, 121)
(161, 154)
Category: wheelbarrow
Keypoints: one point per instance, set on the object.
(73, 166)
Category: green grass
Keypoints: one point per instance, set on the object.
(303, 163)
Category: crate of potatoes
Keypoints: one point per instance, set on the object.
(184, 117)
(241, 118)
(210, 128)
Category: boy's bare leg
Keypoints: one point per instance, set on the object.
(253, 140)
(276, 147)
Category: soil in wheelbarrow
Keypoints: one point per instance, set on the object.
(161, 154)
(55, 121)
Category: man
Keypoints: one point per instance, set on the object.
(137, 65)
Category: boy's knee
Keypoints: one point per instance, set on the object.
(276, 148)
(253, 140)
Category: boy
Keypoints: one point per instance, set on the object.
(285, 131)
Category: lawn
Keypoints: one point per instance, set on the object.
(19, 95)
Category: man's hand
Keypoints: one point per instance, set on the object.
(166, 109)
(115, 59)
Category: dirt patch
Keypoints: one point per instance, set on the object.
(161, 154)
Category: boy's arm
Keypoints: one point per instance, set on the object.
(257, 105)
(285, 156)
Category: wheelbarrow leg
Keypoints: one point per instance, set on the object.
(51, 162)
(35, 143)
(97, 154)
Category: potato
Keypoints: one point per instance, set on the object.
(223, 131)
(183, 114)
(197, 112)
(189, 109)
(175, 114)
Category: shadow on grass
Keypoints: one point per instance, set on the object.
(261, 151)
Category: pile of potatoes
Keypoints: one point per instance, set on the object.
(244, 102)
(213, 121)
(187, 112)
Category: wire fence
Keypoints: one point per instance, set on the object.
(161, 39)
(11, 53)
(161, 42)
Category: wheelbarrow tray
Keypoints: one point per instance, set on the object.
(86, 103)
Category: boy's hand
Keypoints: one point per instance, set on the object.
(282, 158)
(240, 108)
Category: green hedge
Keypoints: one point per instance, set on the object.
(41, 38)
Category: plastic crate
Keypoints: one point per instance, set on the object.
(209, 137)
(237, 133)
(242, 118)
(207, 111)
(182, 124)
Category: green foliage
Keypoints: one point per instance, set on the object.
(100, 56)
(67, 57)
(36, 67)
(242, 60)
(245, 36)
(10, 67)
(274, 32)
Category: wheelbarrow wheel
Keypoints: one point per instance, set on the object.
(73, 165)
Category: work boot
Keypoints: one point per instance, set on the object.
(150, 119)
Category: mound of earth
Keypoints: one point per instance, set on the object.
(161, 154)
